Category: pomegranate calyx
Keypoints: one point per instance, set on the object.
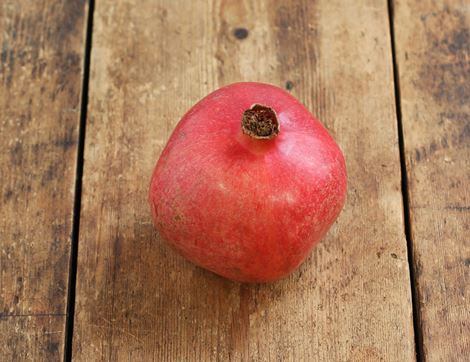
(260, 122)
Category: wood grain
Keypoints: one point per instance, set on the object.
(40, 76)
(433, 55)
(32, 338)
(137, 299)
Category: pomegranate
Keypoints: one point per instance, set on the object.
(248, 183)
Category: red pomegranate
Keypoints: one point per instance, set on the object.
(248, 183)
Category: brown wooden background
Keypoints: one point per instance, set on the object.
(89, 94)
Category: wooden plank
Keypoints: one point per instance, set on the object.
(137, 299)
(433, 56)
(42, 47)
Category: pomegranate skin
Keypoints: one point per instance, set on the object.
(244, 208)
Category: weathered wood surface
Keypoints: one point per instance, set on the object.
(42, 45)
(433, 54)
(137, 299)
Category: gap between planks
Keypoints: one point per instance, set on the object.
(78, 187)
(404, 191)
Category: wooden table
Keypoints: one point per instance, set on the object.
(89, 95)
